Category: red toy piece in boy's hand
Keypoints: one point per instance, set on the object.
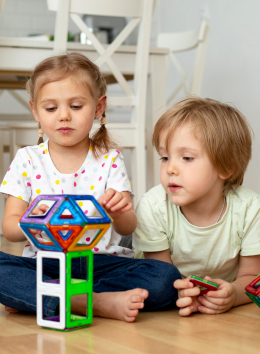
(205, 285)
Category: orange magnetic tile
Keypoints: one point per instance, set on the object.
(65, 244)
(102, 227)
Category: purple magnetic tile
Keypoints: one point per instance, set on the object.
(53, 319)
(53, 281)
(42, 220)
(73, 328)
(66, 329)
(57, 319)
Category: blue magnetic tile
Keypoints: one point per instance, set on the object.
(55, 247)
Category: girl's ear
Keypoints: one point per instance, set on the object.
(35, 114)
(101, 106)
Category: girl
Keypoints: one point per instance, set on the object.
(200, 218)
(67, 94)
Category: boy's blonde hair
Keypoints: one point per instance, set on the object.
(83, 71)
(223, 131)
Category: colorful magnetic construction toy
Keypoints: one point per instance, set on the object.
(205, 285)
(57, 233)
(253, 290)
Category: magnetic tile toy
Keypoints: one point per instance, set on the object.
(253, 290)
(57, 234)
(205, 285)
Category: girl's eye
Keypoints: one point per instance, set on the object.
(164, 159)
(51, 109)
(76, 107)
(186, 158)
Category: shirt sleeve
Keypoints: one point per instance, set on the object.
(17, 180)
(150, 234)
(117, 177)
(250, 245)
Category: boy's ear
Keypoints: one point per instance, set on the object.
(101, 106)
(225, 176)
(34, 112)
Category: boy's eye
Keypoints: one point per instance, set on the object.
(164, 159)
(76, 107)
(186, 158)
(51, 109)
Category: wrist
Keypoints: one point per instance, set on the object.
(234, 294)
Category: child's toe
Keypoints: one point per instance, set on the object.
(136, 305)
(137, 298)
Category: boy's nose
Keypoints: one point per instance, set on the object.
(172, 169)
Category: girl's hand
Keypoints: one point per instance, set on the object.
(188, 296)
(40, 210)
(217, 301)
(116, 203)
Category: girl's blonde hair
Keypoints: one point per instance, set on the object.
(222, 129)
(82, 70)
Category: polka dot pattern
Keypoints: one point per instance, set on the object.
(33, 173)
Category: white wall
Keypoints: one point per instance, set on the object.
(27, 17)
(232, 63)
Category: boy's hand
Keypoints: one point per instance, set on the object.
(188, 296)
(115, 203)
(217, 301)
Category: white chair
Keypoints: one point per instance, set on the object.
(2, 198)
(133, 133)
(181, 42)
(185, 41)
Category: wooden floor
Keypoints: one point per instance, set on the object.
(237, 331)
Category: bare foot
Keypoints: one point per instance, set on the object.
(122, 306)
(10, 309)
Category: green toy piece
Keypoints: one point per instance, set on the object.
(79, 287)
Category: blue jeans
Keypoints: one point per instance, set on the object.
(111, 273)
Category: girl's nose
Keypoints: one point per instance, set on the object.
(64, 115)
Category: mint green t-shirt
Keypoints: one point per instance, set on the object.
(213, 250)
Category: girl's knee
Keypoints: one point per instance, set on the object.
(162, 293)
(160, 275)
(168, 273)
(4, 256)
